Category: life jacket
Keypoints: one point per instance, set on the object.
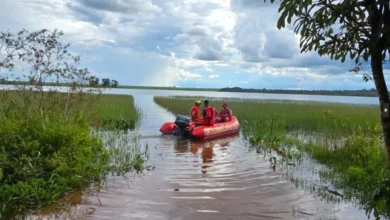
(208, 116)
(225, 112)
(215, 112)
(194, 113)
(208, 112)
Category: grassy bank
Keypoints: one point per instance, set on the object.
(53, 143)
(109, 111)
(346, 138)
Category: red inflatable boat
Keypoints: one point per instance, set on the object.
(183, 126)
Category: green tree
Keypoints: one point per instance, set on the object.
(114, 83)
(106, 82)
(356, 28)
(94, 81)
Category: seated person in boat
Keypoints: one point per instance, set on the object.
(208, 114)
(195, 113)
(225, 113)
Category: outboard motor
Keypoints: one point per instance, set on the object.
(183, 124)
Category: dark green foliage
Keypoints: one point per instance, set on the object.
(114, 83)
(106, 82)
(44, 157)
(93, 81)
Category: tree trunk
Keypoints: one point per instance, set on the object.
(383, 94)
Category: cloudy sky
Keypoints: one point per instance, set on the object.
(187, 43)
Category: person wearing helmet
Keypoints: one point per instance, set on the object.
(225, 113)
(195, 113)
(208, 114)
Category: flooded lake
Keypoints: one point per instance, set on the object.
(219, 179)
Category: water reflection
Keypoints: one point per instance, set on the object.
(204, 149)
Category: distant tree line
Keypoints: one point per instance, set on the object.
(106, 82)
(362, 92)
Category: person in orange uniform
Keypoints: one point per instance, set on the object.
(195, 113)
(208, 114)
(225, 113)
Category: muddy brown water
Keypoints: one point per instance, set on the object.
(217, 179)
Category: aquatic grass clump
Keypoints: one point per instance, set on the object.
(117, 112)
(126, 153)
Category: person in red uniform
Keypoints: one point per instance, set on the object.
(215, 112)
(195, 113)
(225, 113)
(208, 114)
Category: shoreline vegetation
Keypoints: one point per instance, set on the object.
(44, 156)
(345, 138)
(361, 92)
(58, 140)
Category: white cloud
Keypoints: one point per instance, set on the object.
(167, 41)
(186, 75)
(207, 69)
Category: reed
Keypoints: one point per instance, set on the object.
(289, 115)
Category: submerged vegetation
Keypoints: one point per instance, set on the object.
(346, 138)
(55, 140)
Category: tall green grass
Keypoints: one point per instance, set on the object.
(109, 111)
(344, 137)
(117, 111)
(54, 143)
(116, 106)
(289, 115)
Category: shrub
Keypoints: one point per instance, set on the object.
(44, 157)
